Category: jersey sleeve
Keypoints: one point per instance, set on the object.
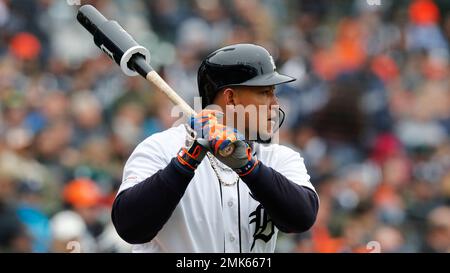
(149, 157)
(292, 165)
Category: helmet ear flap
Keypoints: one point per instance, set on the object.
(206, 84)
(209, 94)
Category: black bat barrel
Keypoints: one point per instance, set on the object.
(111, 38)
(90, 18)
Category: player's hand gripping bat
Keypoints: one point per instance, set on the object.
(132, 58)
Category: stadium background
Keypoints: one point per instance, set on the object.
(370, 113)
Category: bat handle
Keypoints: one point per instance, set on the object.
(138, 64)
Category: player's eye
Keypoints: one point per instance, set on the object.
(268, 92)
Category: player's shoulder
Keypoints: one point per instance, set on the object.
(278, 149)
(276, 155)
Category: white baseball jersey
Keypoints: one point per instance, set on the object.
(211, 217)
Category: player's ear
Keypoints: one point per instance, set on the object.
(229, 96)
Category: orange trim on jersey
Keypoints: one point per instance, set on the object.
(195, 153)
(181, 160)
(249, 171)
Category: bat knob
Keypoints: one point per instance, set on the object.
(227, 151)
(125, 64)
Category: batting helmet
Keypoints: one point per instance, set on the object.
(237, 65)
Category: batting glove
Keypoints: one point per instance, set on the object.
(218, 136)
(192, 154)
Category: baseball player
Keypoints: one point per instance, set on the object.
(179, 194)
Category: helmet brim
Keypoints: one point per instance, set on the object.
(273, 78)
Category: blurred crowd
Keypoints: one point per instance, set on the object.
(370, 114)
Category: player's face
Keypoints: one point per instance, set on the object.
(261, 109)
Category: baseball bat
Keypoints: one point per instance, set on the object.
(132, 58)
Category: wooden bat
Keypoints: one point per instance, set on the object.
(132, 58)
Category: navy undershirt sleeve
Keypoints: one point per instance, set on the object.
(139, 212)
(293, 208)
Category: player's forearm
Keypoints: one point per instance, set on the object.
(141, 211)
(293, 208)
